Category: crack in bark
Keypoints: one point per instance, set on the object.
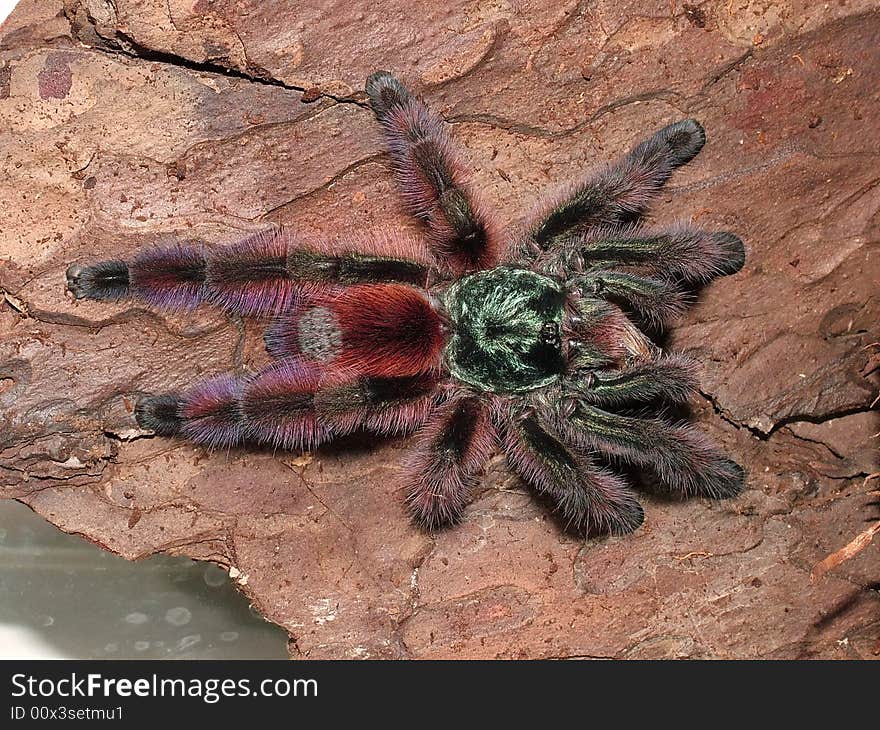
(813, 418)
(131, 48)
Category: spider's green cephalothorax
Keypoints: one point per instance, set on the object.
(506, 326)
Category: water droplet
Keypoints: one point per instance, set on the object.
(187, 641)
(137, 618)
(141, 645)
(215, 576)
(178, 616)
(229, 636)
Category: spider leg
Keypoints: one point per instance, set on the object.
(657, 300)
(287, 406)
(259, 275)
(432, 179)
(672, 379)
(598, 334)
(685, 460)
(376, 329)
(681, 252)
(451, 449)
(621, 192)
(590, 498)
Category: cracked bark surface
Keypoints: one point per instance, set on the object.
(121, 127)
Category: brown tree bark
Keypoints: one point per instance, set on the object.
(121, 127)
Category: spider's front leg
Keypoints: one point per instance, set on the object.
(262, 274)
(621, 192)
(669, 379)
(288, 406)
(656, 299)
(686, 462)
(594, 222)
(682, 253)
(432, 179)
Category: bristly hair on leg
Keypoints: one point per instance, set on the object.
(432, 179)
(657, 301)
(252, 277)
(682, 252)
(451, 449)
(590, 499)
(211, 412)
(389, 406)
(686, 462)
(669, 379)
(618, 194)
(170, 277)
(278, 406)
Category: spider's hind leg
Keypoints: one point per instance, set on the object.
(288, 406)
(264, 273)
(432, 179)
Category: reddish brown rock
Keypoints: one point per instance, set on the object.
(120, 127)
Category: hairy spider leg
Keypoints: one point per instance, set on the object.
(671, 379)
(450, 451)
(589, 498)
(383, 330)
(686, 462)
(599, 335)
(681, 253)
(619, 193)
(260, 275)
(432, 179)
(656, 300)
(288, 406)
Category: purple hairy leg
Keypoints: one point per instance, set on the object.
(685, 461)
(452, 448)
(383, 405)
(672, 379)
(681, 252)
(260, 275)
(589, 498)
(618, 194)
(432, 178)
(287, 405)
(168, 278)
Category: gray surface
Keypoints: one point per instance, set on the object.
(62, 597)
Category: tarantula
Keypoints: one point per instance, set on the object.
(540, 339)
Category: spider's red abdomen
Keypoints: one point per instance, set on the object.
(377, 330)
(387, 330)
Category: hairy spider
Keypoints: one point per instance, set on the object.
(539, 339)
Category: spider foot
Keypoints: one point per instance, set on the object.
(160, 413)
(107, 280)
